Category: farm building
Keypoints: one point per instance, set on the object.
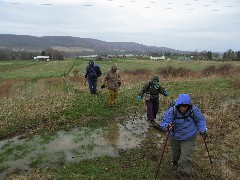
(42, 58)
(157, 58)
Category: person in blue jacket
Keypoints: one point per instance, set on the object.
(93, 72)
(184, 121)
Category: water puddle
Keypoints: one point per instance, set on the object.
(19, 155)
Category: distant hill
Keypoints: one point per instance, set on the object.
(75, 44)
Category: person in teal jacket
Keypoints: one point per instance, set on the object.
(184, 121)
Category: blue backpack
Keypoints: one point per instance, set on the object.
(98, 70)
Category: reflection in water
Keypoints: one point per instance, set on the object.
(112, 133)
(76, 145)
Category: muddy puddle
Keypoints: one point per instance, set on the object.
(21, 155)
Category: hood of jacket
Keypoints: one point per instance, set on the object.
(155, 80)
(91, 63)
(114, 67)
(183, 99)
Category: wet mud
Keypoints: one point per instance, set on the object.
(22, 155)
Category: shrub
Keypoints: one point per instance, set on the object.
(5, 87)
(225, 69)
(209, 70)
(137, 72)
(174, 72)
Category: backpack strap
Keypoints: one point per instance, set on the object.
(191, 114)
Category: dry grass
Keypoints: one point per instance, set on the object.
(223, 70)
(5, 88)
(37, 100)
(25, 100)
(174, 72)
(137, 72)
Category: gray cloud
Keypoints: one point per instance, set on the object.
(185, 25)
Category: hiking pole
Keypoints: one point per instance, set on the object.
(135, 113)
(161, 157)
(85, 82)
(207, 150)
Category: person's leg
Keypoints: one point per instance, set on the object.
(110, 97)
(185, 162)
(149, 110)
(94, 85)
(90, 84)
(155, 107)
(115, 95)
(175, 150)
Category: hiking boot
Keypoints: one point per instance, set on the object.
(183, 175)
(158, 127)
(174, 166)
(152, 122)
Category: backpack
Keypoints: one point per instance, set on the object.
(98, 70)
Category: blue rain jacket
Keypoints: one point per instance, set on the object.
(185, 125)
(93, 71)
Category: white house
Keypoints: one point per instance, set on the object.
(46, 58)
(158, 58)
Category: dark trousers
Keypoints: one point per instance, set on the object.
(92, 86)
(152, 108)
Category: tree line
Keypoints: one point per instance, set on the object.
(229, 55)
(9, 55)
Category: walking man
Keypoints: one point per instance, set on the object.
(93, 72)
(112, 81)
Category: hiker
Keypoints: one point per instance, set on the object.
(93, 72)
(151, 91)
(183, 120)
(112, 79)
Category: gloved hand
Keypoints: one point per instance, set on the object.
(119, 83)
(169, 127)
(203, 134)
(165, 93)
(103, 86)
(139, 98)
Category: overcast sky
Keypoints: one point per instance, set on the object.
(211, 25)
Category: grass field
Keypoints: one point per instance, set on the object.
(43, 104)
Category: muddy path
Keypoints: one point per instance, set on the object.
(43, 151)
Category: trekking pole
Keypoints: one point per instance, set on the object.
(161, 157)
(207, 150)
(85, 82)
(135, 113)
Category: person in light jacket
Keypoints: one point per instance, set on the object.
(112, 82)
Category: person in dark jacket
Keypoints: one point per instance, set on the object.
(92, 73)
(184, 121)
(151, 91)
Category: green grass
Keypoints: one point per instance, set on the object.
(37, 104)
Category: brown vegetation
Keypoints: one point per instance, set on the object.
(137, 72)
(5, 87)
